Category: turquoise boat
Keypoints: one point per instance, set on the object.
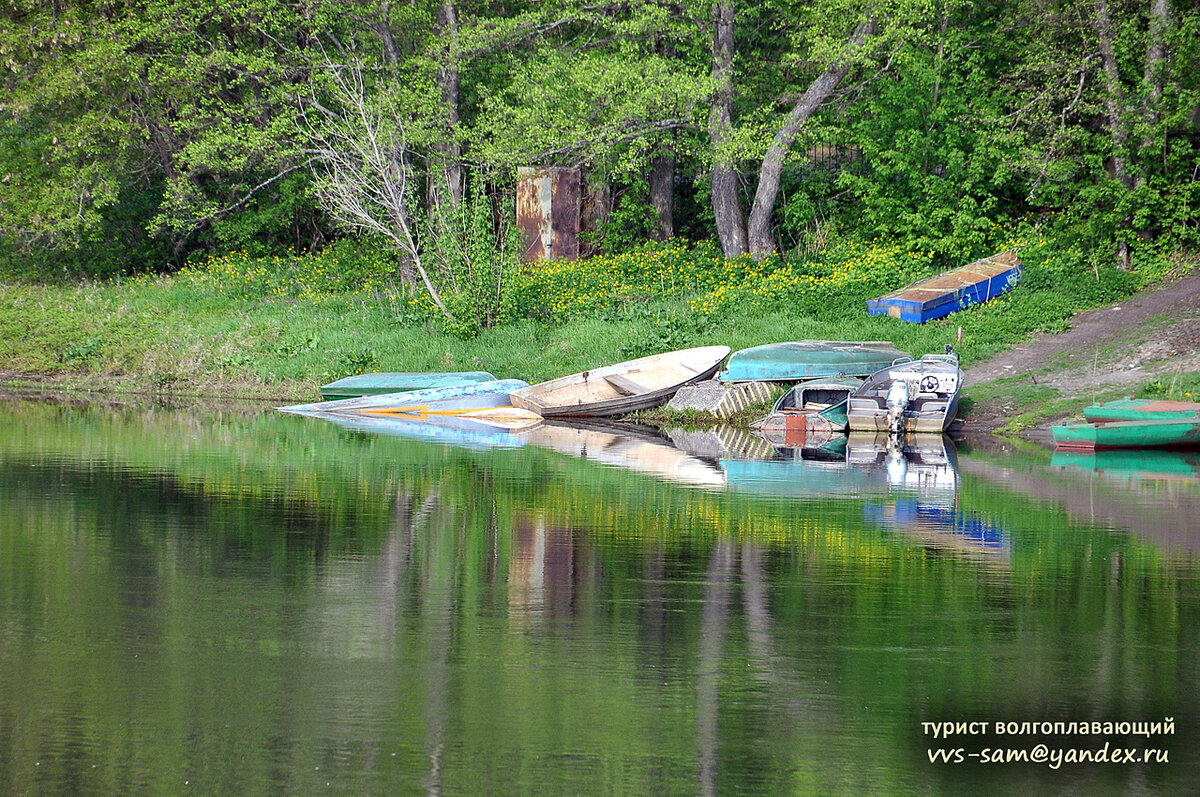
(437, 400)
(1131, 409)
(399, 382)
(1163, 433)
(799, 360)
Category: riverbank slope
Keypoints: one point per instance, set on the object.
(1151, 338)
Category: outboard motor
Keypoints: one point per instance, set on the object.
(896, 402)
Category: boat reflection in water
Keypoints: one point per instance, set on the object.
(923, 480)
(910, 483)
(459, 431)
(1146, 464)
(625, 446)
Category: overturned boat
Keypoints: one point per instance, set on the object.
(914, 397)
(810, 359)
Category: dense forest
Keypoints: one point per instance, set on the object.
(137, 135)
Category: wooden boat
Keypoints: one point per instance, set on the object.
(380, 383)
(621, 388)
(953, 290)
(1159, 433)
(914, 397)
(474, 396)
(1131, 409)
(809, 359)
(813, 408)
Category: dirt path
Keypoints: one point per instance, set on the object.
(1154, 334)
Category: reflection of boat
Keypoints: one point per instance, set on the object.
(1131, 409)
(815, 447)
(939, 526)
(1165, 433)
(924, 463)
(915, 397)
(454, 430)
(621, 388)
(923, 480)
(816, 407)
(953, 290)
(475, 396)
(806, 472)
(858, 465)
(625, 448)
(1140, 464)
(377, 383)
(809, 359)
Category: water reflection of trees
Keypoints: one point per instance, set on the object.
(452, 607)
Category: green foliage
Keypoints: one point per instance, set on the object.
(831, 284)
(632, 221)
(474, 256)
(346, 266)
(1173, 387)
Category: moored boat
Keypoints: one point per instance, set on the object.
(399, 382)
(443, 400)
(813, 408)
(797, 360)
(622, 388)
(915, 397)
(1131, 409)
(957, 289)
(1159, 433)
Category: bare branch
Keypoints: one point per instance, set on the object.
(362, 164)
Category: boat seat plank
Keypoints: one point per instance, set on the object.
(625, 386)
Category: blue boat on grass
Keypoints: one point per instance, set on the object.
(944, 293)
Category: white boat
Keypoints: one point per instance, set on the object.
(912, 397)
(621, 388)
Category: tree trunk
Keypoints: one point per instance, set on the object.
(1156, 55)
(762, 241)
(1114, 100)
(446, 174)
(662, 194)
(726, 210)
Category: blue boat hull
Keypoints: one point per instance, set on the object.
(954, 290)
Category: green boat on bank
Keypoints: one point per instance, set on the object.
(798, 360)
(399, 382)
(1131, 409)
(1162, 433)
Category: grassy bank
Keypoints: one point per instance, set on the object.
(279, 327)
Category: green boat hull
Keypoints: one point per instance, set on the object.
(379, 383)
(1169, 433)
(1131, 409)
(810, 359)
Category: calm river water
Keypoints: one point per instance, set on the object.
(236, 601)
